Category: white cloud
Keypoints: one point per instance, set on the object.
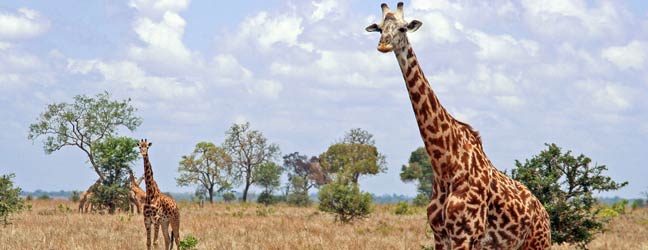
(157, 8)
(27, 23)
(266, 88)
(605, 96)
(436, 27)
(631, 56)
(265, 31)
(163, 41)
(489, 81)
(322, 9)
(502, 47)
(509, 101)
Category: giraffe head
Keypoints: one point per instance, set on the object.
(393, 28)
(143, 146)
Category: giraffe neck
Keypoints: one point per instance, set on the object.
(434, 122)
(152, 189)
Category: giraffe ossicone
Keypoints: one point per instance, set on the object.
(473, 205)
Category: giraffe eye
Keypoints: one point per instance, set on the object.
(402, 29)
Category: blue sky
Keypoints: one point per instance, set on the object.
(523, 73)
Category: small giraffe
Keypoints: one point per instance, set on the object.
(84, 199)
(158, 207)
(473, 205)
(137, 196)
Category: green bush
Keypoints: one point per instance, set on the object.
(75, 196)
(44, 197)
(299, 199)
(10, 201)
(421, 200)
(345, 201)
(402, 208)
(620, 206)
(228, 197)
(189, 243)
(267, 198)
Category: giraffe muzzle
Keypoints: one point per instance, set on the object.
(385, 47)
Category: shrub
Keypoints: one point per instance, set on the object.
(267, 198)
(228, 197)
(421, 200)
(189, 243)
(44, 197)
(299, 199)
(620, 206)
(10, 201)
(75, 196)
(345, 201)
(402, 208)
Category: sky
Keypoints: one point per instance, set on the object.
(522, 73)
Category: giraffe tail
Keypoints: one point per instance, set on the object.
(171, 243)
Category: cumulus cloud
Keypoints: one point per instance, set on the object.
(264, 31)
(631, 56)
(502, 47)
(27, 23)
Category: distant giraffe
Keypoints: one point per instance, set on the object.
(474, 206)
(84, 198)
(137, 196)
(158, 207)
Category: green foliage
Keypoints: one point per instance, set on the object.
(75, 196)
(44, 197)
(229, 197)
(402, 208)
(113, 157)
(10, 201)
(565, 185)
(299, 199)
(267, 198)
(344, 200)
(209, 166)
(83, 123)
(637, 204)
(355, 156)
(249, 150)
(620, 206)
(29, 197)
(421, 200)
(419, 170)
(267, 176)
(189, 243)
(607, 213)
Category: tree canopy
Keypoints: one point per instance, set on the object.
(83, 123)
(249, 150)
(565, 185)
(354, 156)
(114, 156)
(209, 166)
(10, 201)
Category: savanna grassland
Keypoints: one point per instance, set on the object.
(55, 224)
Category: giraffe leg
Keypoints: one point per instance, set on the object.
(165, 234)
(147, 224)
(156, 229)
(175, 230)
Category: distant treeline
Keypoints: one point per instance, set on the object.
(378, 199)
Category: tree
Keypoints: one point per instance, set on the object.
(114, 156)
(83, 123)
(303, 174)
(565, 185)
(10, 201)
(208, 166)
(267, 176)
(249, 150)
(354, 156)
(420, 171)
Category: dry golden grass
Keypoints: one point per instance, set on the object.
(249, 226)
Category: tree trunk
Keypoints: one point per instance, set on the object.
(245, 191)
(211, 194)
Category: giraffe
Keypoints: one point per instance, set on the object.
(84, 201)
(158, 207)
(137, 196)
(473, 205)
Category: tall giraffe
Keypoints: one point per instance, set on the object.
(474, 205)
(158, 208)
(137, 196)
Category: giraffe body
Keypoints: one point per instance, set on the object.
(473, 205)
(159, 209)
(137, 196)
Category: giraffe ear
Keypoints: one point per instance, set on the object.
(150, 143)
(414, 25)
(373, 28)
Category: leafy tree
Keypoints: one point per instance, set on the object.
(354, 156)
(83, 123)
(267, 176)
(345, 200)
(565, 185)
(75, 196)
(114, 156)
(249, 150)
(208, 166)
(10, 201)
(303, 174)
(420, 171)
(227, 197)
